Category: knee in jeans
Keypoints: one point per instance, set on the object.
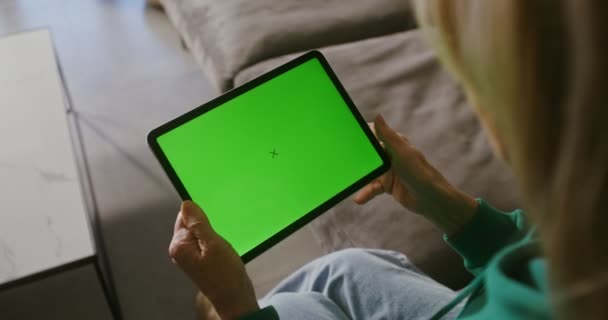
(347, 258)
(309, 305)
(359, 259)
(349, 253)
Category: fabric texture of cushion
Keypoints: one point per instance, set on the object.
(399, 77)
(229, 35)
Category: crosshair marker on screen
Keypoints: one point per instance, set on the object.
(274, 153)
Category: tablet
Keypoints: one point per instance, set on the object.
(266, 158)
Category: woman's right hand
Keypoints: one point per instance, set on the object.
(212, 264)
(416, 184)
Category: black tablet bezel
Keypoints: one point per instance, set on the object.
(301, 222)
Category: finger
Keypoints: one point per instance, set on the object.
(369, 192)
(182, 236)
(183, 246)
(179, 222)
(386, 134)
(196, 221)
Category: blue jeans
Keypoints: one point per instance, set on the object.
(360, 284)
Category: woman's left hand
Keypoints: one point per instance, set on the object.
(212, 264)
(416, 184)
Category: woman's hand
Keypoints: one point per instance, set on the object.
(212, 263)
(416, 184)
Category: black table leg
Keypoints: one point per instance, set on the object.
(109, 291)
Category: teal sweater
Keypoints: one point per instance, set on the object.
(510, 275)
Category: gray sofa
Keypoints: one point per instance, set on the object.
(386, 66)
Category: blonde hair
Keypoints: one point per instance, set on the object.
(538, 72)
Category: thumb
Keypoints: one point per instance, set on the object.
(391, 138)
(196, 221)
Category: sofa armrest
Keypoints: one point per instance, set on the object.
(229, 35)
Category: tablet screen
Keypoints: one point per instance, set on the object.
(262, 159)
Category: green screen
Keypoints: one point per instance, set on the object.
(269, 156)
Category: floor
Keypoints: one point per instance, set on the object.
(127, 73)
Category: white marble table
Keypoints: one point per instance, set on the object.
(43, 219)
(45, 226)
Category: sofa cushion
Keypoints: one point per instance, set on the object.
(229, 35)
(397, 76)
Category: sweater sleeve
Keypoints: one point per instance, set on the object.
(488, 232)
(268, 313)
